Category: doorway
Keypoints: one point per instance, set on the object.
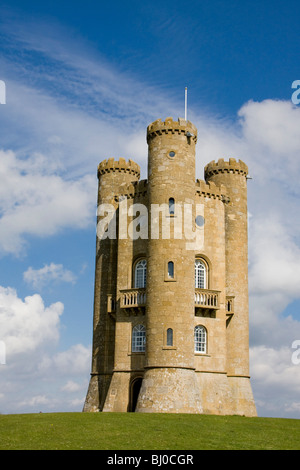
(134, 393)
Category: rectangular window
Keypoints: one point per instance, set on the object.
(171, 269)
(138, 338)
(171, 206)
(169, 337)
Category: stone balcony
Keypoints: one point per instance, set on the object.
(134, 300)
(207, 299)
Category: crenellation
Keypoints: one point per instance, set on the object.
(221, 166)
(210, 189)
(132, 190)
(169, 126)
(121, 165)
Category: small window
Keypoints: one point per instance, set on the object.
(200, 274)
(140, 274)
(200, 221)
(200, 339)
(172, 154)
(171, 206)
(171, 269)
(138, 338)
(169, 337)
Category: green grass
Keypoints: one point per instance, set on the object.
(134, 431)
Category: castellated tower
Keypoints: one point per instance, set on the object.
(233, 175)
(171, 286)
(169, 382)
(113, 176)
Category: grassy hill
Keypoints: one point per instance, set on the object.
(134, 431)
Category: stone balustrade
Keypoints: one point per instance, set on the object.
(205, 298)
(133, 298)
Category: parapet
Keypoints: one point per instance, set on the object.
(136, 189)
(111, 166)
(232, 166)
(211, 190)
(169, 126)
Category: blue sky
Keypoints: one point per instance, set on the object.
(83, 81)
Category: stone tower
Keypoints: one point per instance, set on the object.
(169, 382)
(233, 175)
(171, 286)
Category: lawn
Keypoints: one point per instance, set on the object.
(134, 431)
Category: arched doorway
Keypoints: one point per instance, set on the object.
(134, 392)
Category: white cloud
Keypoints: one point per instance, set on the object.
(34, 202)
(50, 272)
(34, 401)
(37, 376)
(270, 132)
(73, 361)
(26, 325)
(274, 126)
(276, 381)
(71, 386)
(275, 258)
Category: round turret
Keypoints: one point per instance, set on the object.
(233, 175)
(112, 166)
(113, 176)
(221, 166)
(169, 382)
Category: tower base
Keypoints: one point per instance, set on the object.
(169, 390)
(223, 395)
(241, 396)
(117, 398)
(97, 391)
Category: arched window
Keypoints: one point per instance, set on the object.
(138, 338)
(200, 274)
(171, 269)
(171, 206)
(169, 337)
(200, 338)
(140, 274)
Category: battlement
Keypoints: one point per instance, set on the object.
(232, 166)
(121, 165)
(169, 126)
(211, 190)
(136, 189)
